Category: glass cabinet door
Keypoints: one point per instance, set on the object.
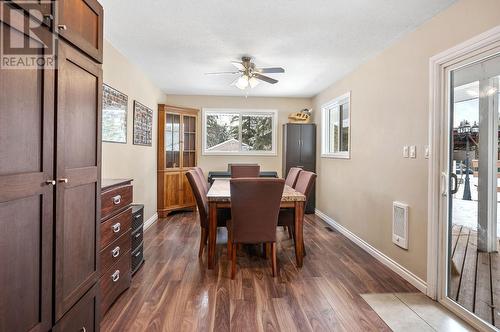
(189, 144)
(172, 140)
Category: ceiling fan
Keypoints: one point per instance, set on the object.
(249, 74)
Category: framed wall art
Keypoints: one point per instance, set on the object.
(143, 124)
(114, 115)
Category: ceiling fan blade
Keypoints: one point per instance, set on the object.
(233, 83)
(223, 73)
(238, 65)
(271, 70)
(265, 78)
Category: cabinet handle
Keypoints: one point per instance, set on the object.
(138, 254)
(83, 329)
(137, 216)
(115, 276)
(62, 27)
(116, 227)
(115, 252)
(63, 180)
(50, 182)
(137, 235)
(117, 199)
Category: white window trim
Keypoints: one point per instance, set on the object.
(324, 128)
(274, 113)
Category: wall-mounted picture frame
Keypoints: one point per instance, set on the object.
(143, 125)
(114, 115)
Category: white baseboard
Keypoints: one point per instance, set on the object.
(381, 257)
(151, 221)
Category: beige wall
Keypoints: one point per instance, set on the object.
(389, 104)
(128, 160)
(284, 106)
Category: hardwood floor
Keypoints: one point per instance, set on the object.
(174, 291)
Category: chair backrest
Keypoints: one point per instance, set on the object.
(292, 176)
(255, 205)
(245, 171)
(199, 195)
(204, 182)
(305, 183)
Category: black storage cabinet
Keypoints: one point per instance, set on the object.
(299, 150)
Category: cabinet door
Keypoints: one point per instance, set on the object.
(79, 94)
(172, 190)
(187, 193)
(41, 10)
(26, 199)
(292, 137)
(81, 23)
(84, 316)
(308, 144)
(189, 141)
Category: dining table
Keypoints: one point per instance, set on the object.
(219, 197)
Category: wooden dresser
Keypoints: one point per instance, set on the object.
(177, 150)
(116, 241)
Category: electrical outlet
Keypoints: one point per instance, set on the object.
(427, 152)
(405, 151)
(413, 151)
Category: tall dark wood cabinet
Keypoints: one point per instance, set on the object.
(50, 170)
(299, 150)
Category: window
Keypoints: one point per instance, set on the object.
(239, 132)
(336, 127)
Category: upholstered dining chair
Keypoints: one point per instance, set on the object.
(255, 205)
(201, 201)
(292, 176)
(304, 184)
(245, 171)
(204, 182)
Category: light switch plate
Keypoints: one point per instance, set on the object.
(413, 151)
(405, 151)
(427, 152)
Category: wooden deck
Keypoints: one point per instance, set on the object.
(475, 284)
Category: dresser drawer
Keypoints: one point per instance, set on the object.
(114, 281)
(115, 227)
(115, 199)
(137, 238)
(115, 251)
(84, 316)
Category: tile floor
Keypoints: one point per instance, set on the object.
(410, 312)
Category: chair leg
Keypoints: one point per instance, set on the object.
(203, 241)
(290, 232)
(233, 261)
(268, 250)
(274, 262)
(229, 244)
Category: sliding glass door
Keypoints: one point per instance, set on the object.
(473, 230)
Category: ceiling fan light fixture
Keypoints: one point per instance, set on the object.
(243, 82)
(253, 82)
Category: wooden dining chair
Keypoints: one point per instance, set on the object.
(292, 176)
(201, 201)
(245, 171)
(304, 184)
(255, 205)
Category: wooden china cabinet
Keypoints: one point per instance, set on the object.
(177, 150)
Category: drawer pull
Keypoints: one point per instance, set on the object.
(117, 199)
(115, 276)
(116, 227)
(62, 27)
(83, 329)
(138, 254)
(137, 235)
(137, 216)
(115, 252)
(50, 182)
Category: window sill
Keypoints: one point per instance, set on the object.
(345, 155)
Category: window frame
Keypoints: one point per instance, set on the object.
(325, 128)
(241, 112)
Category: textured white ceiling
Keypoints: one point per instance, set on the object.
(316, 41)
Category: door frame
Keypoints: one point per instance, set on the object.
(440, 65)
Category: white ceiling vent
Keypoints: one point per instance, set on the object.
(400, 224)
